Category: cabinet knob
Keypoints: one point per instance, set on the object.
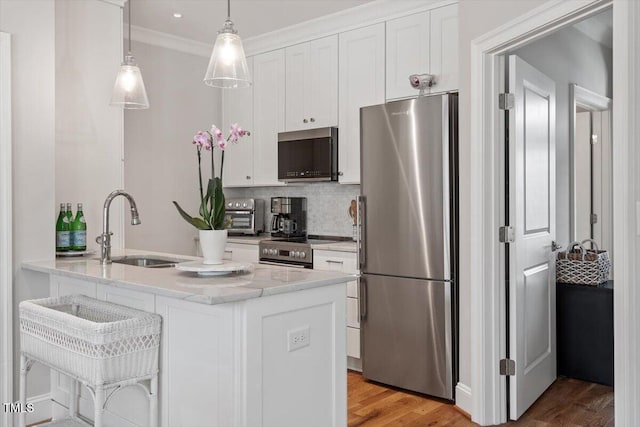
(312, 120)
(248, 177)
(305, 121)
(340, 173)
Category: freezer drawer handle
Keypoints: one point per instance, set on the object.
(363, 299)
(331, 261)
(361, 213)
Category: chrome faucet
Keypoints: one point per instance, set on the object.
(104, 240)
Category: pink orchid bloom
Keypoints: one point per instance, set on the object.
(222, 144)
(201, 139)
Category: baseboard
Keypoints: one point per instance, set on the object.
(41, 409)
(463, 398)
(354, 364)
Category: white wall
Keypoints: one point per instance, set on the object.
(89, 147)
(476, 18)
(568, 56)
(31, 24)
(160, 161)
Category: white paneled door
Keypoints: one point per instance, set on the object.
(532, 211)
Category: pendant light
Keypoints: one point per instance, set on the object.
(128, 90)
(228, 65)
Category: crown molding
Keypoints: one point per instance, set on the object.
(349, 19)
(169, 41)
(345, 20)
(119, 3)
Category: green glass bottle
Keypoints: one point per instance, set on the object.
(62, 231)
(78, 230)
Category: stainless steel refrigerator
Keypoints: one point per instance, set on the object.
(408, 243)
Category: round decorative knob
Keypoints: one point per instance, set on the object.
(303, 254)
(248, 177)
(305, 121)
(312, 120)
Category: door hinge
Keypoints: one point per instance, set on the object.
(506, 234)
(507, 367)
(506, 101)
(594, 218)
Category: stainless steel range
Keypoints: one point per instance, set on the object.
(293, 253)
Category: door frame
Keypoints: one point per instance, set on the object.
(486, 177)
(6, 264)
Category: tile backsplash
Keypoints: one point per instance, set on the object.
(327, 204)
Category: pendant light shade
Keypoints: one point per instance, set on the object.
(228, 64)
(129, 91)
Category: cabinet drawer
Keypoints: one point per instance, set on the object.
(335, 261)
(241, 253)
(353, 314)
(352, 289)
(353, 342)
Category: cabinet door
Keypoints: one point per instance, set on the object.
(238, 158)
(297, 69)
(407, 53)
(444, 48)
(321, 97)
(361, 83)
(268, 113)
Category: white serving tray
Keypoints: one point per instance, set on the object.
(227, 267)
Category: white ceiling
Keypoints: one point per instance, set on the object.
(201, 19)
(598, 27)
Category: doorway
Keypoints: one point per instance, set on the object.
(487, 315)
(552, 187)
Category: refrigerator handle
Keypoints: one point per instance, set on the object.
(363, 298)
(360, 216)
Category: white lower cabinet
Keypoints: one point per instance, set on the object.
(241, 252)
(345, 262)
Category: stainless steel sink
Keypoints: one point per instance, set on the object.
(147, 261)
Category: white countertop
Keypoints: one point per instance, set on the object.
(346, 246)
(248, 240)
(263, 280)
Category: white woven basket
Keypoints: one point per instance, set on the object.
(94, 341)
(587, 267)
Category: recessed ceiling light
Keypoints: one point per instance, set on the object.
(177, 15)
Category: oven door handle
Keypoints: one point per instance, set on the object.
(239, 212)
(281, 264)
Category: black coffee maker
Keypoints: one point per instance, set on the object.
(289, 219)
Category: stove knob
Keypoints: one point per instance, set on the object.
(274, 252)
(237, 204)
(303, 254)
(230, 204)
(244, 205)
(296, 254)
(265, 251)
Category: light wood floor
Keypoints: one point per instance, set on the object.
(568, 402)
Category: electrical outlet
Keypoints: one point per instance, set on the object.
(298, 338)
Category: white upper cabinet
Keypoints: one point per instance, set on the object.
(407, 53)
(423, 43)
(268, 115)
(361, 83)
(444, 48)
(312, 84)
(238, 158)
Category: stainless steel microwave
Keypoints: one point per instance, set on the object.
(308, 155)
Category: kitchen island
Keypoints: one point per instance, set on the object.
(262, 348)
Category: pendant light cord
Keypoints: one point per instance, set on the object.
(229, 10)
(129, 27)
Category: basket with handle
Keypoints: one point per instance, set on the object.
(584, 267)
(94, 341)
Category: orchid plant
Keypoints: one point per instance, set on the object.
(212, 206)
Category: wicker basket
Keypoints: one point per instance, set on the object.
(94, 341)
(586, 267)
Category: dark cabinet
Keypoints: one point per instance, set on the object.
(585, 332)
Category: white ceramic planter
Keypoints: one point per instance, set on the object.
(212, 244)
